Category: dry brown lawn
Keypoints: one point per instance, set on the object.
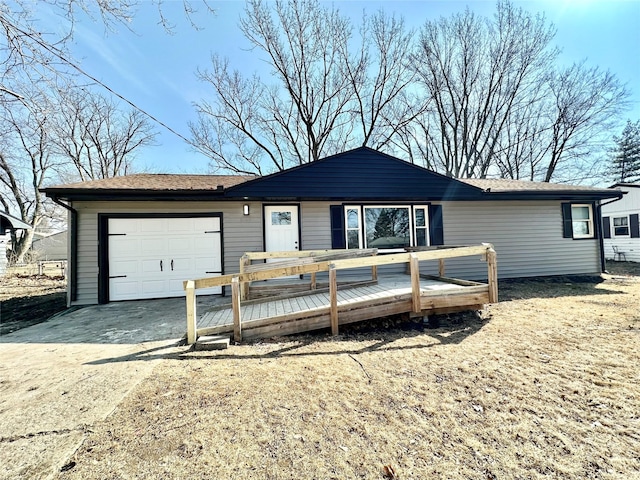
(545, 384)
(26, 300)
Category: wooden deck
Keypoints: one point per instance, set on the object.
(416, 293)
(311, 311)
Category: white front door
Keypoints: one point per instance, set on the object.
(152, 257)
(281, 228)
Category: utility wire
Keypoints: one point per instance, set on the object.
(58, 53)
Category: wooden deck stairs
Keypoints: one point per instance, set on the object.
(314, 306)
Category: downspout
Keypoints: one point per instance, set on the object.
(73, 245)
(603, 263)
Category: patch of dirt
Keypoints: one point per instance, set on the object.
(541, 385)
(27, 300)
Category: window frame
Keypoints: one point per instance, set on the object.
(589, 221)
(614, 226)
(411, 208)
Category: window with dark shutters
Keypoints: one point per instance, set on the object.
(634, 225)
(436, 228)
(567, 223)
(606, 227)
(337, 226)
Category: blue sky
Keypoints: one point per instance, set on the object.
(156, 71)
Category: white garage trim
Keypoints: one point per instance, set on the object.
(150, 256)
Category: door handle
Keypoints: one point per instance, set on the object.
(172, 264)
(160, 265)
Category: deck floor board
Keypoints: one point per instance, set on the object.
(315, 304)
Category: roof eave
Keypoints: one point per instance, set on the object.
(129, 194)
(553, 195)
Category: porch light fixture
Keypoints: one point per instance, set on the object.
(245, 209)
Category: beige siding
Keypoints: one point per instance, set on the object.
(240, 234)
(527, 237)
(315, 226)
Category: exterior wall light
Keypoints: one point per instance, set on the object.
(245, 209)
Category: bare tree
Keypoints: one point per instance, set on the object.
(95, 137)
(26, 158)
(325, 97)
(477, 72)
(587, 104)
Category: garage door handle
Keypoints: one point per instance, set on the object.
(160, 265)
(172, 264)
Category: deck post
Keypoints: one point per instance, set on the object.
(414, 267)
(333, 298)
(492, 275)
(441, 269)
(374, 270)
(245, 261)
(313, 281)
(235, 305)
(192, 330)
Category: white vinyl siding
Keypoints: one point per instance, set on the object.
(629, 204)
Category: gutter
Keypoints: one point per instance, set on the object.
(603, 262)
(73, 247)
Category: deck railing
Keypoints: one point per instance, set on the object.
(332, 266)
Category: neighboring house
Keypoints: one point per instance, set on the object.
(50, 248)
(620, 225)
(7, 222)
(140, 236)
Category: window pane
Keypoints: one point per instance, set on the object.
(352, 218)
(280, 218)
(619, 231)
(581, 228)
(420, 220)
(352, 239)
(620, 221)
(421, 237)
(387, 227)
(580, 213)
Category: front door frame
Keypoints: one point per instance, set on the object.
(264, 222)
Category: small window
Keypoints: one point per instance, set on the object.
(621, 226)
(582, 221)
(422, 225)
(354, 238)
(281, 218)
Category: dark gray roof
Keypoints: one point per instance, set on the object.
(361, 174)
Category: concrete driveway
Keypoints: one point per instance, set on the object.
(60, 377)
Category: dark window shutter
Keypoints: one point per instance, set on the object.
(606, 227)
(436, 229)
(337, 226)
(567, 222)
(634, 226)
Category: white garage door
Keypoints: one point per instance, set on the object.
(151, 257)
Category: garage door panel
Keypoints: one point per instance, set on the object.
(152, 225)
(124, 288)
(122, 225)
(178, 245)
(123, 246)
(123, 268)
(152, 266)
(142, 243)
(153, 287)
